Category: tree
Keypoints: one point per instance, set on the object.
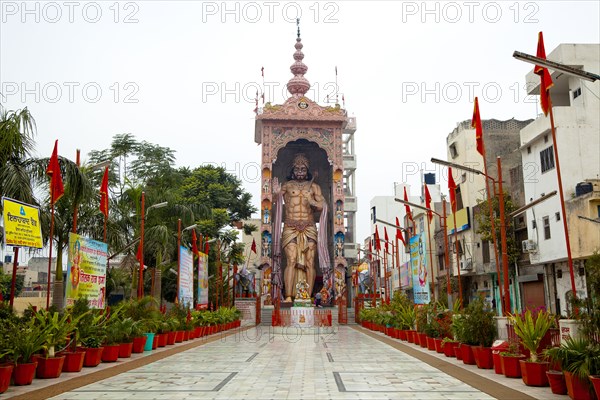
(5, 284)
(484, 229)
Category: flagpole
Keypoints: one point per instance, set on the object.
(460, 295)
(447, 250)
(562, 198)
(141, 273)
(50, 253)
(75, 207)
(178, 257)
(14, 277)
(507, 308)
(430, 258)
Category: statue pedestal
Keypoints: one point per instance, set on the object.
(302, 317)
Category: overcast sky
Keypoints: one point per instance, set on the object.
(184, 74)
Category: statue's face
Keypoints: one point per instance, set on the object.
(300, 172)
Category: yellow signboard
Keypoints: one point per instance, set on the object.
(462, 221)
(21, 224)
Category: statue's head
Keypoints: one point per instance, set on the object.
(300, 168)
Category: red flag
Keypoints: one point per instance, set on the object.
(406, 206)
(253, 248)
(385, 236)
(452, 189)
(546, 79)
(206, 246)
(139, 253)
(399, 232)
(370, 251)
(377, 243)
(53, 171)
(194, 243)
(476, 123)
(428, 203)
(104, 194)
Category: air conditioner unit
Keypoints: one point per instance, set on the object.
(466, 265)
(528, 246)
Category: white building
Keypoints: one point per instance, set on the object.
(577, 121)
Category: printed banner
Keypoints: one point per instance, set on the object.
(21, 224)
(405, 275)
(203, 280)
(186, 277)
(418, 261)
(86, 270)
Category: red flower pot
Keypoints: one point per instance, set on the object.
(430, 343)
(468, 357)
(483, 357)
(458, 351)
(410, 336)
(23, 373)
(73, 361)
(171, 338)
(594, 379)
(423, 340)
(510, 366)
(138, 344)
(497, 362)
(49, 368)
(179, 337)
(449, 349)
(155, 342)
(93, 356)
(186, 335)
(125, 350)
(558, 385)
(577, 389)
(197, 331)
(162, 339)
(439, 346)
(110, 353)
(402, 334)
(5, 374)
(534, 373)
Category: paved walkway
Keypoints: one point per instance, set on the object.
(351, 363)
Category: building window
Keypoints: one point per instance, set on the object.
(459, 202)
(576, 93)
(533, 224)
(545, 138)
(557, 215)
(373, 215)
(598, 211)
(546, 228)
(528, 149)
(547, 159)
(485, 249)
(453, 151)
(441, 262)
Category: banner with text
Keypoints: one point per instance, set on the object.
(418, 261)
(21, 224)
(186, 277)
(203, 280)
(86, 270)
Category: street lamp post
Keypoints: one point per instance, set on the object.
(144, 213)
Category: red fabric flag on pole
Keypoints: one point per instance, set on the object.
(476, 123)
(385, 236)
(546, 79)
(253, 248)
(399, 231)
(428, 203)
(452, 189)
(377, 243)
(53, 171)
(194, 243)
(406, 206)
(104, 194)
(206, 246)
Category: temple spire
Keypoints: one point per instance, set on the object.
(298, 85)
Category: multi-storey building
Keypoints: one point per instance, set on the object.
(576, 109)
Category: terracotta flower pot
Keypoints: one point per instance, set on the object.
(23, 373)
(73, 361)
(5, 374)
(534, 373)
(510, 366)
(49, 368)
(577, 389)
(558, 385)
(110, 353)
(125, 350)
(483, 357)
(93, 356)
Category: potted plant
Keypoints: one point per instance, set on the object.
(531, 330)
(482, 327)
(579, 358)
(510, 358)
(32, 339)
(8, 328)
